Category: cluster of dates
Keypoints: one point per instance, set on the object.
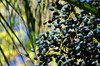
(74, 41)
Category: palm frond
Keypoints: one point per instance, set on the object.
(13, 41)
(85, 6)
(4, 56)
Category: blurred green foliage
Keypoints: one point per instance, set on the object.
(25, 17)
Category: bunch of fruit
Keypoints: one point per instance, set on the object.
(74, 41)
